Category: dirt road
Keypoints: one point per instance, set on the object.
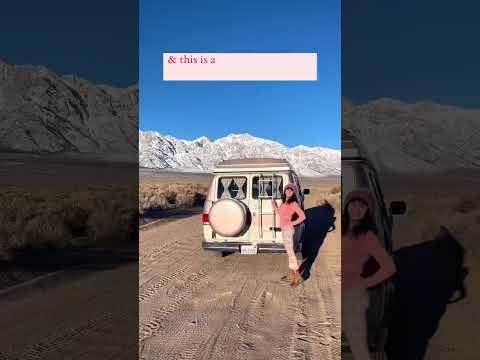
(81, 315)
(199, 305)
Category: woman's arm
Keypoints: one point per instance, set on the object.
(383, 258)
(274, 205)
(300, 213)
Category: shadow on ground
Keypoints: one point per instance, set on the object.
(430, 276)
(32, 263)
(320, 221)
(178, 213)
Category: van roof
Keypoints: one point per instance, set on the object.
(253, 164)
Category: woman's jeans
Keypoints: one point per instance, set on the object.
(298, 237)
(354, 321)
(287, 236)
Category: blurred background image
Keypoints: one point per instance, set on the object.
(69, 180)
(408, 85)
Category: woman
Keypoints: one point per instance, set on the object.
(359, 243)
(286, 211)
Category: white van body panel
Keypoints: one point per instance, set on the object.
(264, 224)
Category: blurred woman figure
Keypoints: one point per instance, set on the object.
(359, 243)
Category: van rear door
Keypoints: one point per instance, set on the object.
(232, 186)
(265, 223)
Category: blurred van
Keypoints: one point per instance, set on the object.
(359, 173)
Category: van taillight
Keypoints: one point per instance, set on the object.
(205, 218)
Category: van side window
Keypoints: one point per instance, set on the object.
(232, 188)
(267, 187)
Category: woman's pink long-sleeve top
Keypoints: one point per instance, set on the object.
(355, 253)
(286, 211)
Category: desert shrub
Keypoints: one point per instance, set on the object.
(108, 223)
(171, 197)
(167, 196)
(40, 218)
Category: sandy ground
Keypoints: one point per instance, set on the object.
(199, 305)
(47, 311)
(451, 201)
(74, 315)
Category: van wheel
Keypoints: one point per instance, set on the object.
(226, 253)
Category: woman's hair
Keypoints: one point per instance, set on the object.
(291, 199)
(364, 225)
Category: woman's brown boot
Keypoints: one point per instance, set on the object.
(289, 276)
(297, 279)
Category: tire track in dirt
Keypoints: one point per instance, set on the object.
(211, 332)
(198, 305)
(266, 318)
(249, 303)
(174, 298)
(184, 337)
(52, 330)
(175, 286)
(330, 328)
(329, 288)
(170, 246)
(150, 289)
(174, 270)
(153, 326)
(299, 344)
(65, 338)
(162, 252)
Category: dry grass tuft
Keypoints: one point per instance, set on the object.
(168, 196)
(33, 218)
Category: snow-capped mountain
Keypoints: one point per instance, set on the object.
(423, 136)
(159, 151)
(43, 112)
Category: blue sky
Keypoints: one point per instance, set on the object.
(96, 40)
(293, 113)
(411, 50)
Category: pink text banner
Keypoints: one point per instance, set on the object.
(240, 66)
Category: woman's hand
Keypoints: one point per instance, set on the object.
(384, 260)
(300, 213)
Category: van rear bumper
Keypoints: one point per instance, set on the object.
(235, 246)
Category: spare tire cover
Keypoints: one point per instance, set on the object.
(228, 217)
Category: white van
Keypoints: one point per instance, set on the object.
(238, 214)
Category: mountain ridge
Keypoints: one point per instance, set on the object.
(42, 112)
(415, 137)
(164, 151)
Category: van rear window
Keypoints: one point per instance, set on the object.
(267, 187)
(232, 188)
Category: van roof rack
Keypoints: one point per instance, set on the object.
(252, 164)
(253, 161)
